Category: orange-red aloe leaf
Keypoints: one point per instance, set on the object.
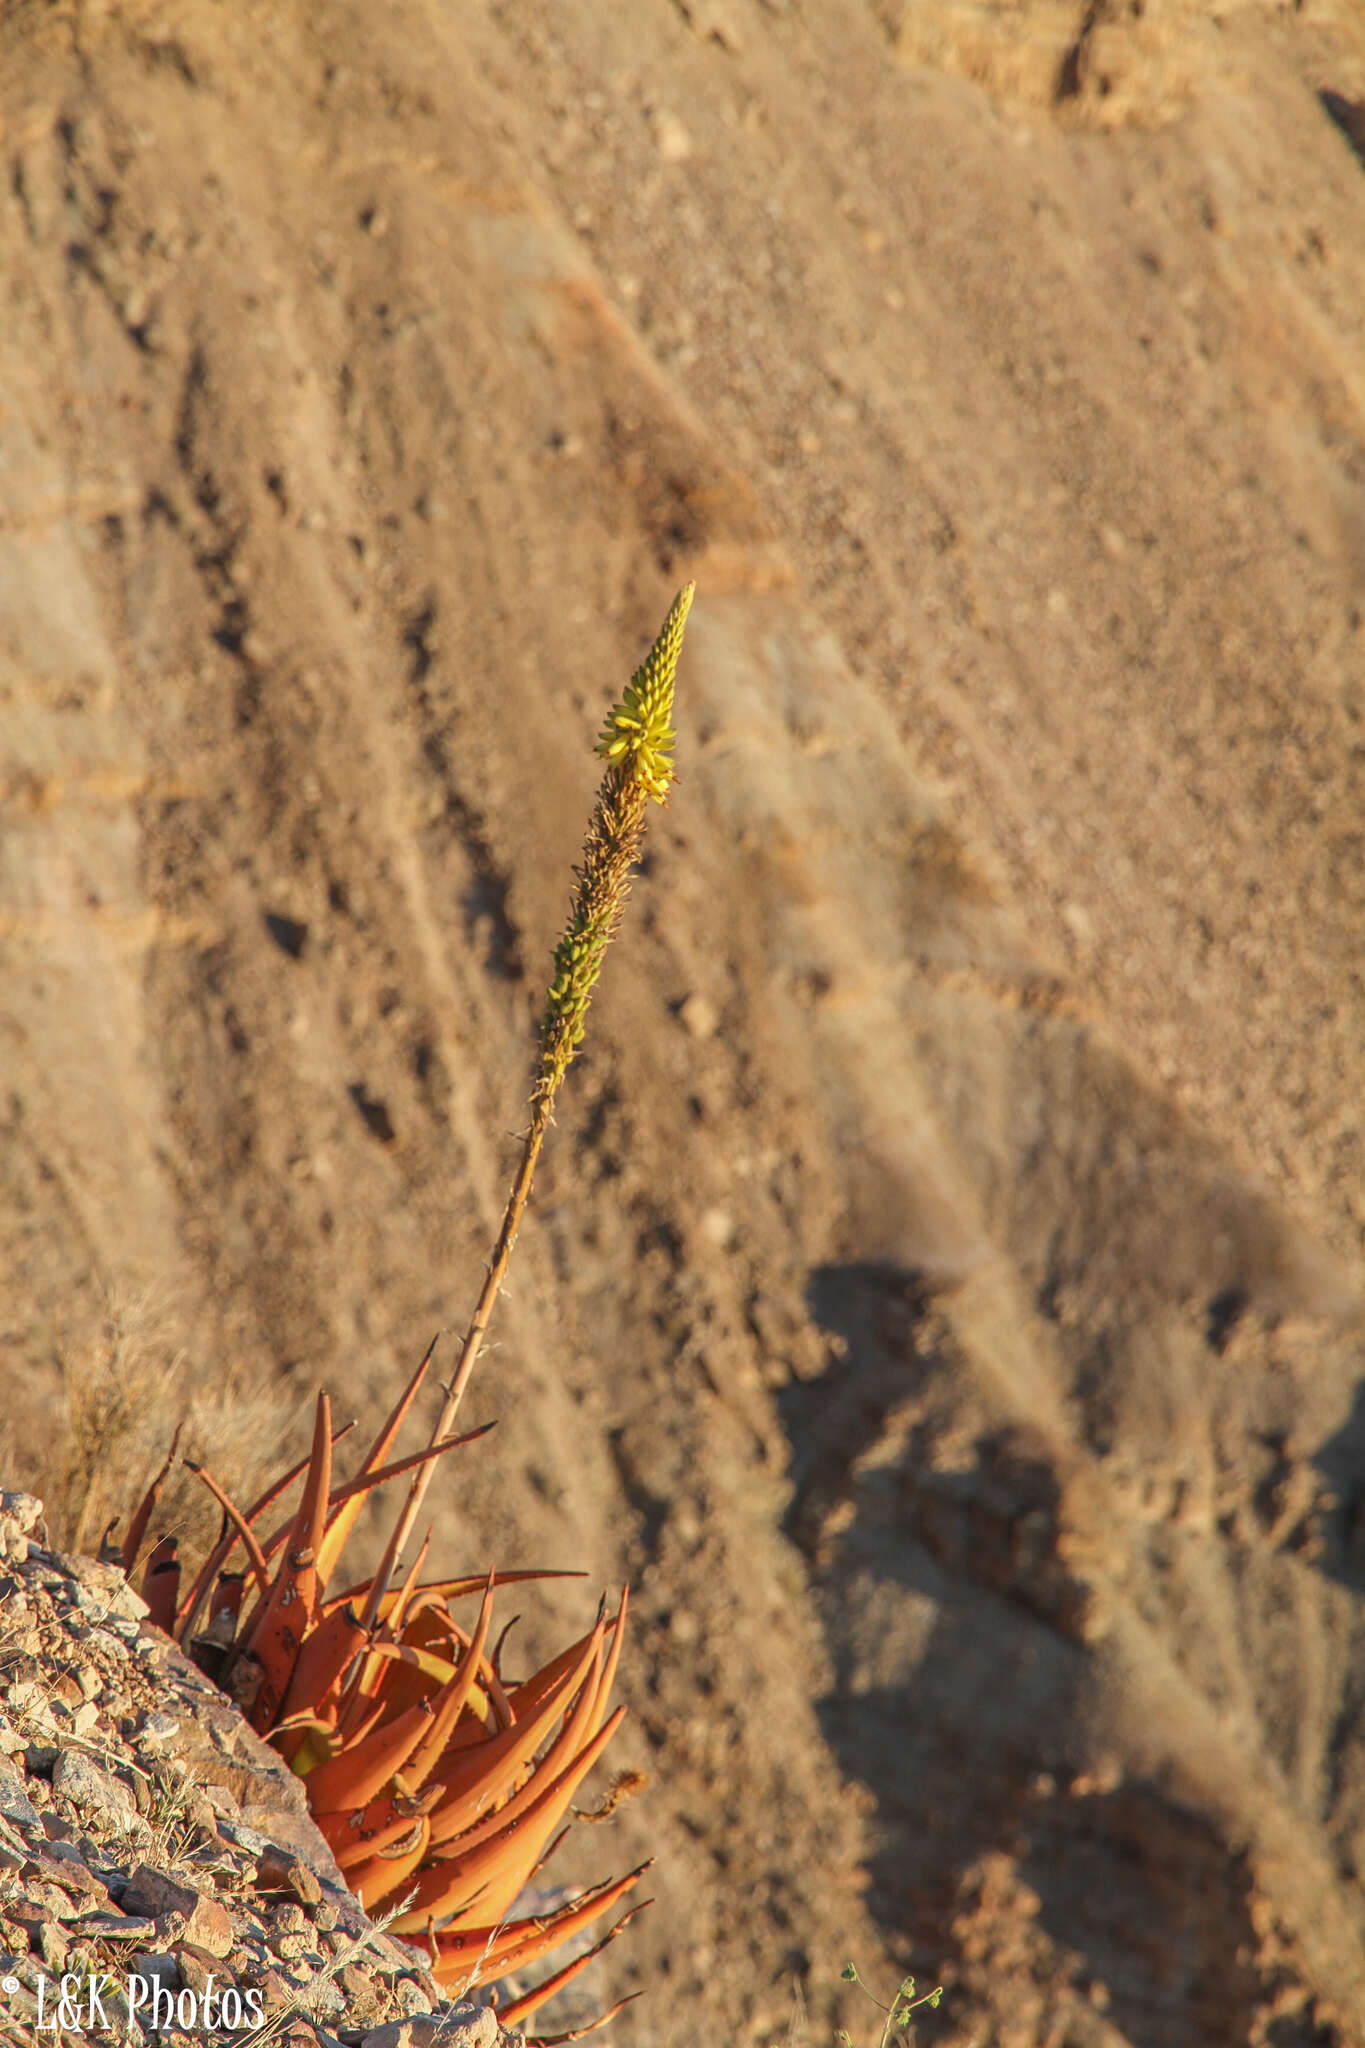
(488, 1677)
(379, 1583)
(439, 1892)
(496, 1659)
(369, 1613)
(476, 1779)
(161, 1582)
(362, 1704)
(608, 1678)
(366, 1679)
(344, 1514)
(571, 1738)
(404, 1838)
(518, 1950)
(340, 1828)
(398, 1415)
(223, 1549)
(505, 1861)
(469, 1956)
(327, 1650)
(439, 1670)
(478, 1724)
(287, 1614)
(411, 1679)
(393, 1626)
(365, 1482)
(424, 1758)
(380, 1824)
(238, 1520)
(352, 1836)
(386, 1872)
(398, 1676)
(604, 2019)
(402, 1674)
(592, 1704)
(521, 2008)
(452, 1589)
(310, 1513)
(442, 1648)
(137, 1528)
(305, 1766)
(520, 1829)
(426, 1626)
(304, 1742)
(365, 1684)
(484, 1880)
(362, 1769)
(532, 1690)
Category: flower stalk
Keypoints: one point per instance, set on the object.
(637, 745)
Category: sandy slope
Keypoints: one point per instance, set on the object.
(942, 1296)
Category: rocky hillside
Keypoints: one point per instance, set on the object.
(159, 1874)
(941, 1300)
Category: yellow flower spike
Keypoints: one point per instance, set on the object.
(638, 738)
(636, 743)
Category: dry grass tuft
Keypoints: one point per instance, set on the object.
(119, 1397)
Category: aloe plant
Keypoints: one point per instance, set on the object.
(436, 1784)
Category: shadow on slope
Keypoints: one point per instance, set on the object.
(964, 1635)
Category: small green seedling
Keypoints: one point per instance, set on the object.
(901, 2009)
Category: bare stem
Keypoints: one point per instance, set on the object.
(469, 1350)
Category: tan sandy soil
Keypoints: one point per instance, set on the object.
(942, 1296)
